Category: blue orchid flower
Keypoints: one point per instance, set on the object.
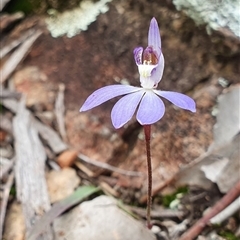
(144, 100)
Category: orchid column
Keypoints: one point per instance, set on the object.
(144, 100)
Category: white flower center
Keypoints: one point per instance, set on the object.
(145, 70)
(149, 63)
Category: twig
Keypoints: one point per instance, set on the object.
(30, 169)
(6, 122)
(10, 46)
(10, 104)
(164, 213)
(108, 167)
(6, 167)
(50, 136)
(5, 93)
(227, 212)
(47, 133)
(196, 229)
(3, 3)
(5, 197)
(59, 112)
(17, 57)
(84, 169)
(108, 189)
(8, 19)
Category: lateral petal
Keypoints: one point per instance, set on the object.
(137, 53)
(106, 93)
(124, 109)
(178, 99)
(151, 109)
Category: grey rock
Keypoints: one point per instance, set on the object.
(99, 219)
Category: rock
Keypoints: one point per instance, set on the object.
(88, 135)
(67, 158)
(14, 224)
(62, 183)
(99, 219)
(220, 164)
(217, 15)
(228, 117)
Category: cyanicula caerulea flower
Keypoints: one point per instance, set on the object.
(145, 99)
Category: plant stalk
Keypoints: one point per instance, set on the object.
(147, 132)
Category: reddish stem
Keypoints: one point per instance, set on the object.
(147, 132)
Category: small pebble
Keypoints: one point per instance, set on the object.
(67, 158)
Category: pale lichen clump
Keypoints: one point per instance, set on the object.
(74, 21)
(215, 14)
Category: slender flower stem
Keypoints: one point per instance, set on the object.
(147, 132)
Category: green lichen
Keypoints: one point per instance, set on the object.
(215, 14)
(72, 22)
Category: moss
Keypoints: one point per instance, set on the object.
(168, 199)
(13, 191)
(19, 5)
(228, 235)
(215, 14)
